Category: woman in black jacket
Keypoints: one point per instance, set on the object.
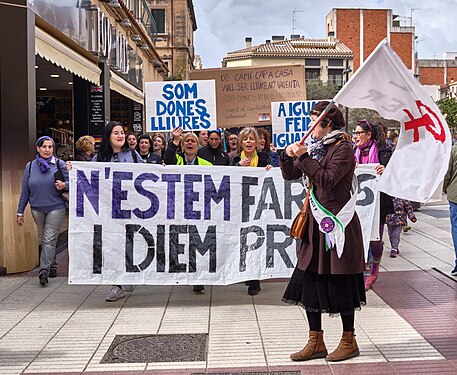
(250, 156)
(146, 151)
(213, 151)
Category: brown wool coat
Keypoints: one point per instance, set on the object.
(332, 180)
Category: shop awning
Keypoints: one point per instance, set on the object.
(125, 88)
(58, 53)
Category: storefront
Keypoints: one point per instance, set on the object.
(66, 69)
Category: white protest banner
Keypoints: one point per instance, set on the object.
(149, 224)
(190, 105)
(290, 121)
(367, 204)
(420, 161)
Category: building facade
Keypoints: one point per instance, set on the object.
(361, 30)
(176, 24)
(326, 60)
(437, 75)
(66, 69)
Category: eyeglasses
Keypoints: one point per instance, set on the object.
(314, 113)
(358, 133)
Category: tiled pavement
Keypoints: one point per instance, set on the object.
(409, 325)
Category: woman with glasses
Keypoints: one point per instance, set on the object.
(371, 148)
(213, 151)
(251, 156)
(328, 277)
(159, 144)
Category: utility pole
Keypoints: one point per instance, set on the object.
(411, 18)
(293, 19)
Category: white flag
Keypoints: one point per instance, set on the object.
(420, 161)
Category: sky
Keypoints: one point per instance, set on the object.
(224, 24)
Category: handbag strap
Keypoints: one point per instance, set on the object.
(305, 203)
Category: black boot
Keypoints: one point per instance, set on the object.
(254, 287)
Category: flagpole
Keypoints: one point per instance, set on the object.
(318, 120)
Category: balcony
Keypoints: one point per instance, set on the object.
(140, 11)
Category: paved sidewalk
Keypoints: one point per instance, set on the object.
(408, 327)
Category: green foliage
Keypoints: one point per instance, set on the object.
(317, 90)
(172, 77)
(448, 108)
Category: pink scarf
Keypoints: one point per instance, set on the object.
(367, 154)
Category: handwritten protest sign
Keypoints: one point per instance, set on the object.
(149, 224)
(190, 105)
(290, 121)
(244, 95)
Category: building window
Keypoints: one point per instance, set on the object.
(312, 74)
(335, 77)
(312, 62)
(335, 62)
(159, 18)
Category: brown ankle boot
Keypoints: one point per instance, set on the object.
(315, 348)
(346, 349)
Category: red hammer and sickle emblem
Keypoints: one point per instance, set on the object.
(432, 125)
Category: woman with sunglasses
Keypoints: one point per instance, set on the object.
(328, 277)
(371, 147)
(213, 151)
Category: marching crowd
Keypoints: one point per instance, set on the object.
(323, 281)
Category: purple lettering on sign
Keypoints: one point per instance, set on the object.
(191, 196)
(90, 189)
(217, 195)
(120, 195)
(171, 193)
(154, 207)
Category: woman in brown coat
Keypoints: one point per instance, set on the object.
(326, 280)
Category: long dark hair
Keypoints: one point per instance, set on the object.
(376, 130)
(105, 152)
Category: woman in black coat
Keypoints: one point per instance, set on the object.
(213, 151)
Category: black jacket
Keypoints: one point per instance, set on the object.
(215, 156)
(386, 204)
(152, 158)
(264, 159)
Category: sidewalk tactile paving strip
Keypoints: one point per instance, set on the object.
(157, 348)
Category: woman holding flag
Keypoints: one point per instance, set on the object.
(328, 277)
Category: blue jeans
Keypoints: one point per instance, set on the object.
(453, 210)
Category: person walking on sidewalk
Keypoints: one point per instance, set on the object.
(371, 148)
(450, 188)
(396, 221)
(328, 277)
(44, 179)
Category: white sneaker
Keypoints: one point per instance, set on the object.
(128, 288)
(114, 294)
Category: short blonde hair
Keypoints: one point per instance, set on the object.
(244, 133)
(187, 135)
(84, 143)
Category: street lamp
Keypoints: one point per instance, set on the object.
(347, 71)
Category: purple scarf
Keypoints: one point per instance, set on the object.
(370, 150)
(43, 163)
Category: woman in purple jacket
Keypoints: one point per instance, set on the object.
(44, 179)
